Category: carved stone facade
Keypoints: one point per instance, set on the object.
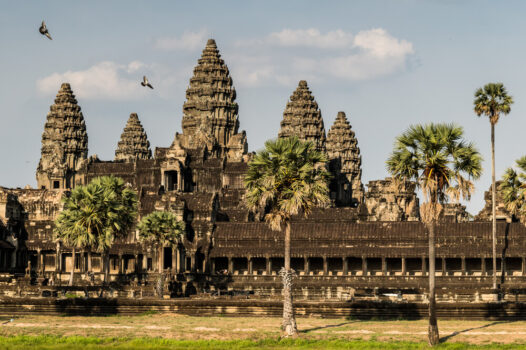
(302, 118)
(64, 142)
(134, 142)
(501, 213)
(345, 163)
(389, 200)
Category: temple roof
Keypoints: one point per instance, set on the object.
(302, 117)
(134, 142)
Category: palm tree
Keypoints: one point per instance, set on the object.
(493, 100)
(95, 214)
(163, 228)
(287, 178)
(513, 190)
(442, 164)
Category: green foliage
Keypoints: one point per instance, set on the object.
(288, 177)
(162, 227)
(492, 100)
(74, 342)
(437, 157)
(95, 214)
(513, 189)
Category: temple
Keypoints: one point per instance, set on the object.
(366, 239)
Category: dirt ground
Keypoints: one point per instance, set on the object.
(222, 328)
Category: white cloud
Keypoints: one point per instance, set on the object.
(367, 55)
(105, 80)
(186, 41)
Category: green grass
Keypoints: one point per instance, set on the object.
(62, 343)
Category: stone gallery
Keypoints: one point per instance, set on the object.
(367, 240)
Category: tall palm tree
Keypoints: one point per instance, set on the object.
(442, 164)
(493, 100)
(287, 178)
(95, 214)
(513, 190)
(163, 228)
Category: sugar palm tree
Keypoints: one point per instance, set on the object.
(287, 178)
(95, 214)
(163, 228)
(493, 100)
(513, 190)
(442, 164)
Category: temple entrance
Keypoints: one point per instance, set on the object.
(170, 180)
(167, 264)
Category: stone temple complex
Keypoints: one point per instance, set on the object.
(366, 239)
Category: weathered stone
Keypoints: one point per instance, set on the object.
(302, 118)
(134, 142)
(389, 200)
(454, 212)
(64, 142)
(345, 163)
(501, 213)
(210, 113)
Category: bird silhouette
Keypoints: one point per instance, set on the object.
(43, 30)
(145, 82)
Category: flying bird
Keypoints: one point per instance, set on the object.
(145, 82)
(43, 30)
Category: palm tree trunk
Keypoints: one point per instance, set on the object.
(289, 320)
(73, 260)
(493, 208)
(106, 263)
(433, 335)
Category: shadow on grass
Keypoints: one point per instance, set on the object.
(454, 334)
(325, 327)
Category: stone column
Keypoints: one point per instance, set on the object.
(269, 266)
(39, 263)
(213, 268)
(230, 265)
(174, 259)
(121, 263)
(306, 267)
(145, 262)
(523, 266)
(57, 258)
(89, 260)
(364, 266)
(250, 268)
(384, 266)
(404, 268)
(463, 265)
(178, 259)
(137, 266)
(483, 265)
(192, 262)
(325, 266)
(424, 266)
(444, 267)
(345, 265)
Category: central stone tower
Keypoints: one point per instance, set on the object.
(210, 113)
(64, 142)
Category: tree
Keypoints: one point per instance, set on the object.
(287, 178)
(162, 228)
(493, 100)
(513, 190)
(442, 164)
(95, 215)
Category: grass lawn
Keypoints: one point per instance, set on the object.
(171, 331)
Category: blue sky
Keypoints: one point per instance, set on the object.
(387, 64)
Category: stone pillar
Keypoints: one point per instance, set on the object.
(364, 266)
(250, 267)
(325, 266)
(145, 262)
(384, 266)
(269, 266)
(178, 259)
(121, 263)
(57, 258)
(137, 267)
(230, 265)
(174, 259)
(345, 266)
(463, 265)
(306, 265)
(404, 268)
(192, 262)
(213, 267)
(39, 263)
(424, 266)
(89, 260)
(523, 266)
(483, 266)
